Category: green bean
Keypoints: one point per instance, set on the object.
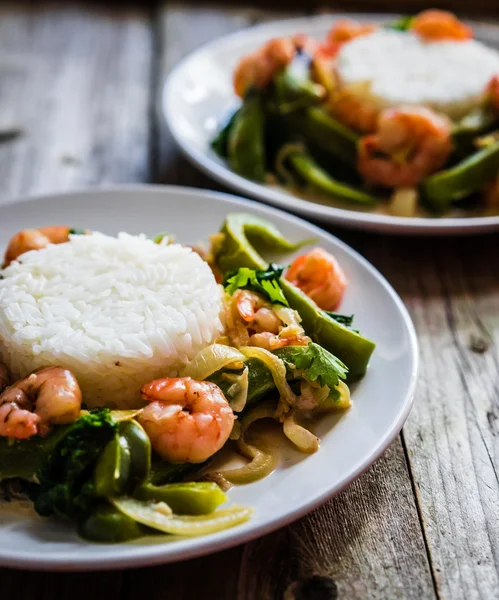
(318, 127)
(467, 177)
(190, 498)
(246, 154)
(318, 178)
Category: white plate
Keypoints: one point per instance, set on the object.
(199, 93)
(381, 401)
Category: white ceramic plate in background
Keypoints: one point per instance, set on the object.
(199, 94)
(381, 401)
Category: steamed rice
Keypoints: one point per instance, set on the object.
(118, 312)
(393, 68)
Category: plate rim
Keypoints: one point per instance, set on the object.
(149, 555)
(343, 217)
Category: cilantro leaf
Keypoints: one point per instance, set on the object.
(265, 282)
(75, 231)
(345, 320)
(317, 362)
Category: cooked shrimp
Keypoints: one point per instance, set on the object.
(34, 239)
(319, 275)
(4, 377)
(353, 108)
(186, 420)
(258, 68)
(256, 312)
(437, 25)
(49, 396)
(271, 341)
(410, 144)
(493, 93)
(345, 30)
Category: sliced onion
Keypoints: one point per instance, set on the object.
(238, 391)
(156, 515)
(287, 315)
(278, 371)
(266, 410)
(261, 464)
(344, 401)
(212, 359)
(302, 438)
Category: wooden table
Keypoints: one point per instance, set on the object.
(79, 106)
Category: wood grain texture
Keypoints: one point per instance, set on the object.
(365, 543)
(452, 435)
(74, 82)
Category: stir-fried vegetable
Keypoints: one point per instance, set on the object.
(212, 359)
(189, 498)
(469, 176)
(245, 139)
(158, 515)
(312, 175)
(242, 235)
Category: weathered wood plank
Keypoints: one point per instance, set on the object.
(452, 290)
(367, 543)
(75, 82)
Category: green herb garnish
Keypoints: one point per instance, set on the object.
(318, 364)
(402, 24)
(75, 231)
(264, 282)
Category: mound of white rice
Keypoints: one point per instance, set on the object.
(118, 312)
(398, 68)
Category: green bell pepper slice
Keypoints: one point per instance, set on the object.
(139, 446)
(108, 524)
(320, 128)
(246, 153)
(317, 178)
(112, 472)
(242, 232)
(293, 87)
(220, 142)
(190, 498)
(467, 177)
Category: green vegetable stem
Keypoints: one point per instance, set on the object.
(221, 141)
(467, 177)
(245, 144)
(314, 176)
(242, 233)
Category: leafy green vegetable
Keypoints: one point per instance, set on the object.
(24, 458)
(75, 231)
(317, 362)
(264, 282)
(66, 485)
(402, 24)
